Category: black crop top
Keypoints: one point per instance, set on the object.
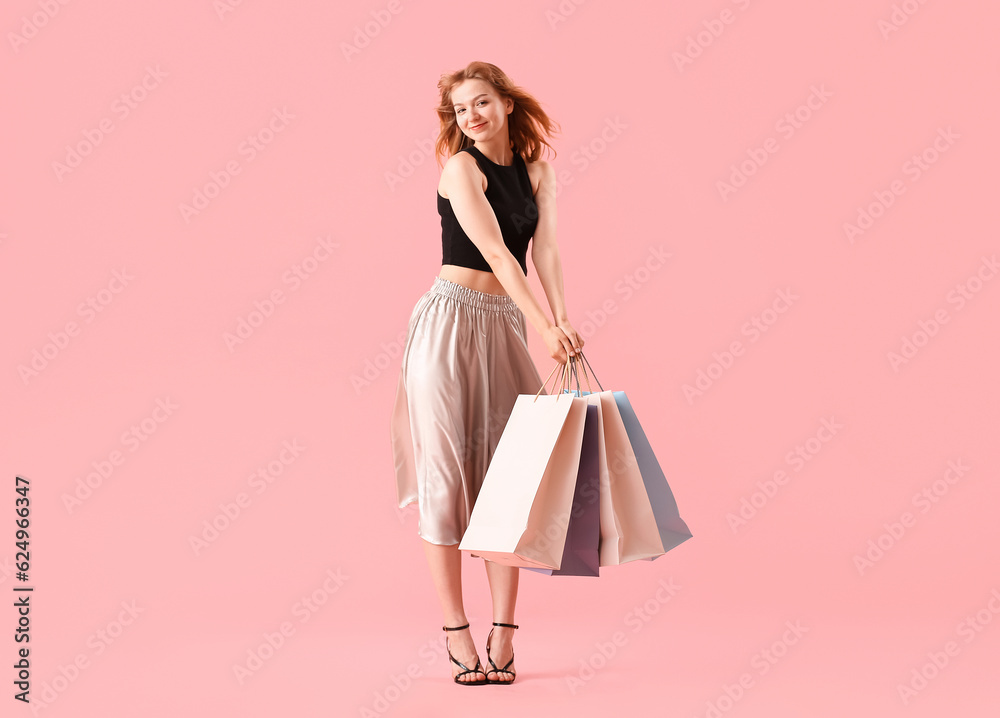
(508, 191)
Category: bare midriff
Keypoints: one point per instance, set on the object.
(486, 282)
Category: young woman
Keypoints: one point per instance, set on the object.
(466, 355)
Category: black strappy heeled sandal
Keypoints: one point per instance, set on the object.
(495, 669)
(478, 668)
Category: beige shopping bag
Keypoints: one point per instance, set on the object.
(623, 495)
(523, 508)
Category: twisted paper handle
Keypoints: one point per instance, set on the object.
(569, 372)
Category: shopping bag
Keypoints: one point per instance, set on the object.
(636, 535)
(522, 512)
(628, 455)
(673, 531)
(581, 552)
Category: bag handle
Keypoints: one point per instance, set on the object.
(563, 380)
(585, 360)
(586, 377)
(568, 373)
(573, 364)
(546, 381)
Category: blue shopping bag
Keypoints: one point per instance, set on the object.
(673, 530)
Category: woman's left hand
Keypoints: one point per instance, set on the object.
(573, 335)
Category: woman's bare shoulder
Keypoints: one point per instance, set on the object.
(455, 168)
(539, 171)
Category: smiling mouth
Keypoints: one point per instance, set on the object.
(476, 127)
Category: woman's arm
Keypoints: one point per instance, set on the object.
(476, 217)
(544, 250)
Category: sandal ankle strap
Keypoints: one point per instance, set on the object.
(456, 628)
(507, 625)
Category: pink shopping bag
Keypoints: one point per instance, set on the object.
(522, 512)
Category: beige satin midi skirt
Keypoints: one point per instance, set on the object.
(465, 361)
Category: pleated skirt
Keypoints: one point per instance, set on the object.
(465, 361)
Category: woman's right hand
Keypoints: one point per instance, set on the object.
(559, 344)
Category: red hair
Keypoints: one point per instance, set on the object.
(528, 125)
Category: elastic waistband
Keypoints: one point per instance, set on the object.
(473, 297)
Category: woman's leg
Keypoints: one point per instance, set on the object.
(503, 588)
(446, 571)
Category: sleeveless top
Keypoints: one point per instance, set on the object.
(508, 191)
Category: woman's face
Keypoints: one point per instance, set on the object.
(479, 110)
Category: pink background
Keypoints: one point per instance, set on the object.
(351, 161)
